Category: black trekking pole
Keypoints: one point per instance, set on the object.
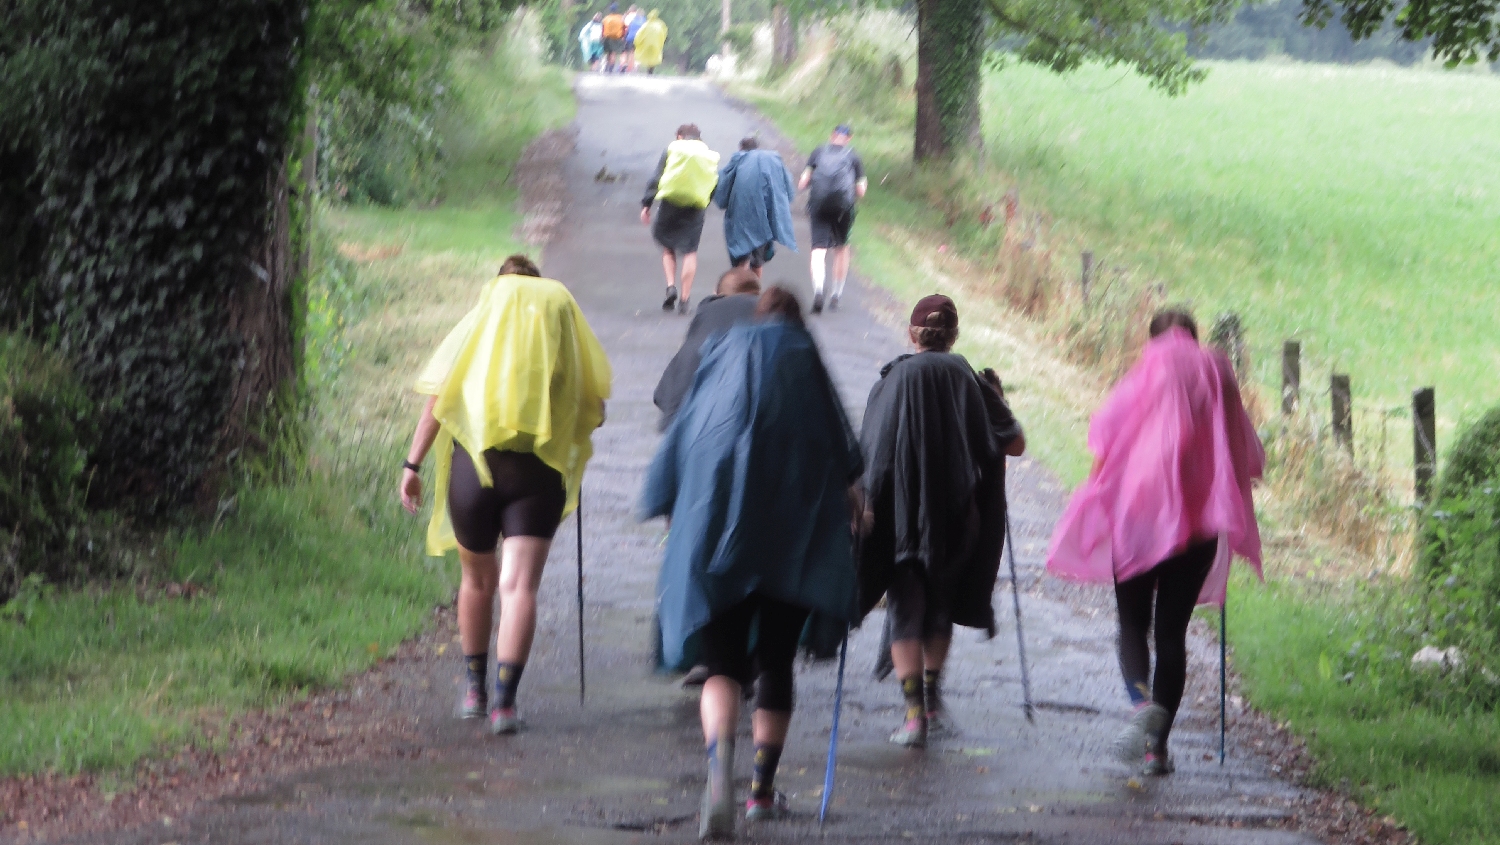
(1223, 674)
(578, 519)
(1015, 592)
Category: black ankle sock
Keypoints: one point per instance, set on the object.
(932, 692)
(476, 668)
(763, 782)
(507, 679)
(911, 689)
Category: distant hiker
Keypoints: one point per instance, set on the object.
(634, 20)
(520, 384)
(649, 42)
(732, 304)
(613, 30)
(936, 435)
(684, 184)
(591, 41)
(755, 191)
(1167, 503)
(836, 176)
(754, 476)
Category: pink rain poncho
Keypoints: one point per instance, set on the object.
(1174, 455)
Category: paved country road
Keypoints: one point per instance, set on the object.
(628, 766)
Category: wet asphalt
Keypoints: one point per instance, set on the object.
(627, 765)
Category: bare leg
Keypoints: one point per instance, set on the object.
(669, 266)
(935, 653)
(819, 269)
(521, 562)
(476, 599)
(840, 270)
(907, 655)
(689, 272)
(719, 707)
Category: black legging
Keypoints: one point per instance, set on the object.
(1175, 584)
(727, 650)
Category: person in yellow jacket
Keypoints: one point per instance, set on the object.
(684, 185)
(649, 40)
(516, 391)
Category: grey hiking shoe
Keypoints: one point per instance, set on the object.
(817, 306)
(912, 734)
(769, 809)
(940, 725)
(1157, 764)
(474, 704)
(671, 299)
(505, 722)
(682, 305)
(1147, 724)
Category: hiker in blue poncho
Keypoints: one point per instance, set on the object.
(755, 191)
(755, 476)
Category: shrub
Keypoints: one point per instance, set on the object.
(46, 433)
(1460, 544)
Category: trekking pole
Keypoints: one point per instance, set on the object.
(578, 519)
(1223, 675)
(1015, 593)
(833, 737)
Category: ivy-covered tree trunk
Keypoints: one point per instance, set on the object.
(950, 51)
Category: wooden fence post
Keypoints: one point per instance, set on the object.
(1343, 416)
(1291, 375)
(1088, 274)
(1424, 440)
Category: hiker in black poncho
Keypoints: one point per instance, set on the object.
(935, 437)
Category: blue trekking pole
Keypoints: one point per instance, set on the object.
(833, 737)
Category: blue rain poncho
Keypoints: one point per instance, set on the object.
(754, 473)
(755, 191)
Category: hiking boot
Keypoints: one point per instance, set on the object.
(833, 302)
(716, 813)
(474, 704)
(769, 809)
(1147, 724)
(671, 299)
(940, 725)
(505, 722)
(682, 305)
(817, 303)
(913, 734)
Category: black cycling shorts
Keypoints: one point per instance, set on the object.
(526, 500)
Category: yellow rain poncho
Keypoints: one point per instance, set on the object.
(521, 372)
(649, 40)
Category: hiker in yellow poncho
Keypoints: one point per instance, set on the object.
(649, 40)
(517, 389)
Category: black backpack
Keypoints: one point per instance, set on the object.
(832, 188)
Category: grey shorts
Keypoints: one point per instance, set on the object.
(917, 612)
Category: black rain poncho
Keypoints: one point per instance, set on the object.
(934, 439)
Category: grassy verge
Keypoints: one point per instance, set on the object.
(1320, 233)
(306, 582)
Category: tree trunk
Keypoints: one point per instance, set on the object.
(950, 52)
(783, 36)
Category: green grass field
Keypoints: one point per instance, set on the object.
(313, 580)
(1355, 208)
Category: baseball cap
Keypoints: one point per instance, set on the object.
(936, 312)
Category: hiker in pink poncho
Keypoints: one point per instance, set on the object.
(1166, 505)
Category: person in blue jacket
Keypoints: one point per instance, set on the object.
(758, 477)
(755, 191)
